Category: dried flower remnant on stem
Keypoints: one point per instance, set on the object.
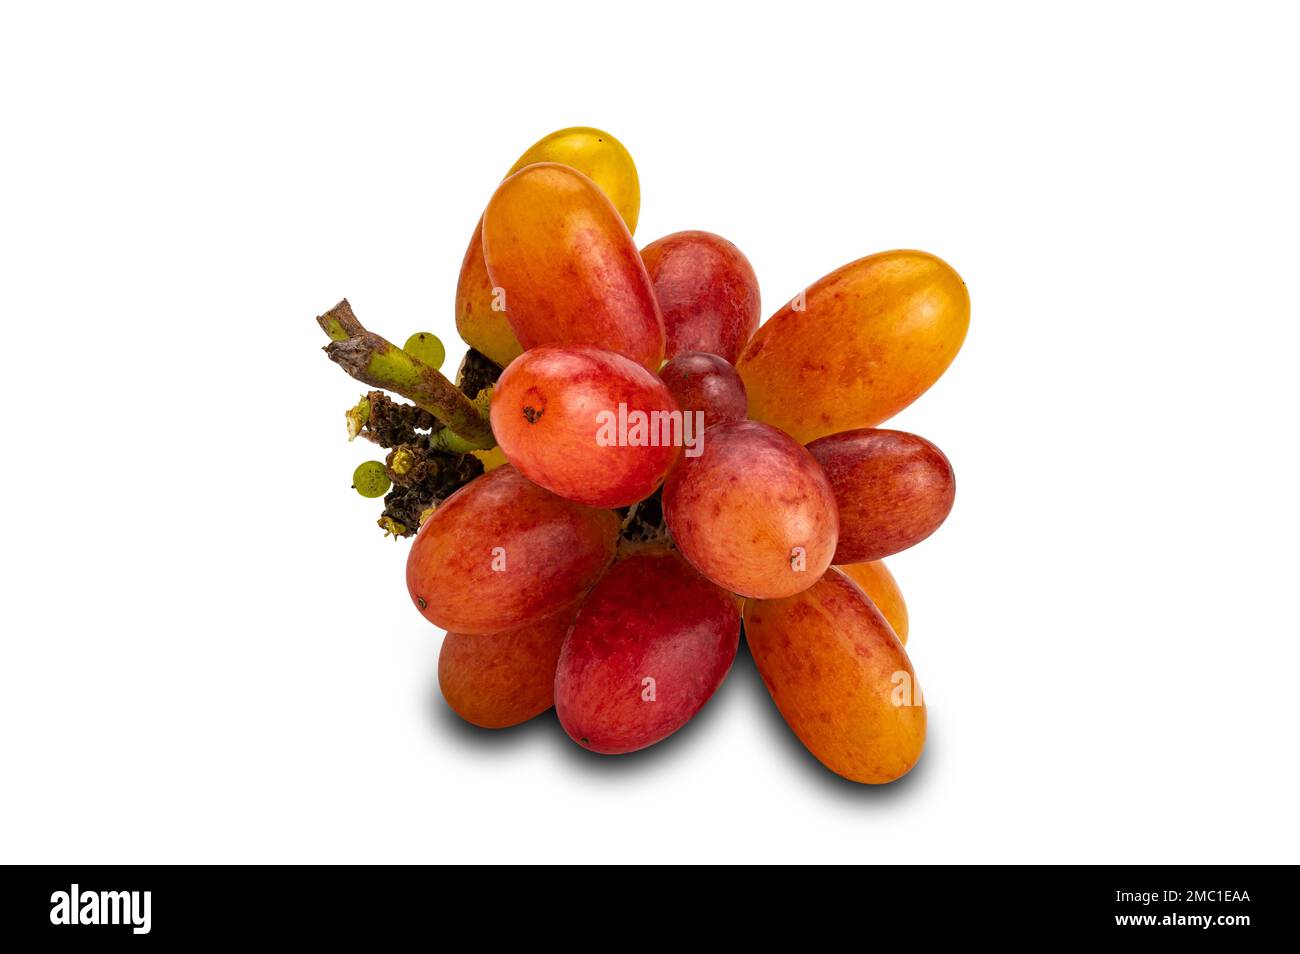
(429, 460)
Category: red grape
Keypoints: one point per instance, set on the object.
(496, 680)
(707, 291)
(502, 552)
(754, 512)
(568, 419)
(893, 490)
(701, 381)
(651, 644)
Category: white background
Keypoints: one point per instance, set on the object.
(208, 650)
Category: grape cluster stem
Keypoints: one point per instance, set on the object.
(379, 363)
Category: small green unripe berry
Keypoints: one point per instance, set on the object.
(427, 347)
(371, 480)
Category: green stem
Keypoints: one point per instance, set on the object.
(452, 443)
(381, 364)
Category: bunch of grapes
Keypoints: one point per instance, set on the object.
(645, 472)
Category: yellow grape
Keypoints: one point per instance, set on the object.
(856, 347)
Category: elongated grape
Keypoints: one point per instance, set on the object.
(598, 156)
(502, 552)
(882, 589)
(497, 680)
(480, 314)
(567, 267)
(840, 678)
(856, 347)
(707, 291)
(590, 425)
(893, 490)
(700, 381)
(651, 644)
(754, 513)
